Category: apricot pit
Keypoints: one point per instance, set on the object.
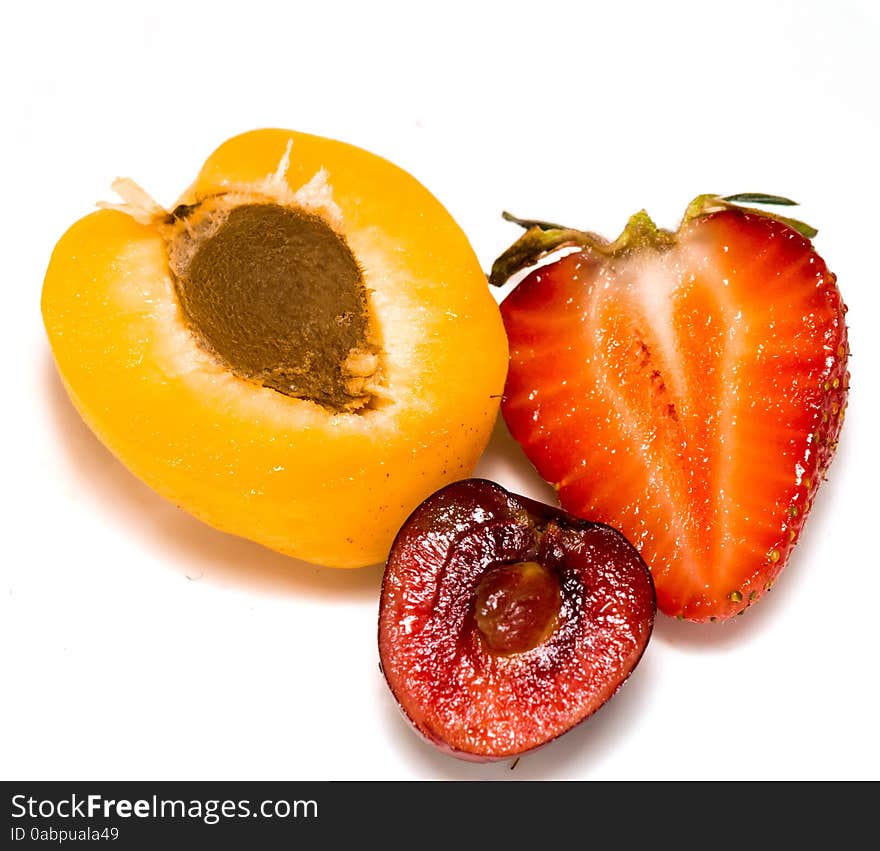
(298, 351)
(278, 296)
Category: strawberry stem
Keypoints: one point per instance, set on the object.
(641, 232)
(542, 238)
(530, 223)
(702, 205)
(759, 198)
(539, 240)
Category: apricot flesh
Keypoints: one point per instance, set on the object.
(317, 437)
(503, 622)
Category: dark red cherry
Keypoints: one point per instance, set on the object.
(504, 622)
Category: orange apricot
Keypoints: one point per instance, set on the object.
(298, 351)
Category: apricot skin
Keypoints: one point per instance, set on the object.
(328, 489)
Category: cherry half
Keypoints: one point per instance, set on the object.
(504, 622)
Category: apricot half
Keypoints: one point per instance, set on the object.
(298, 351)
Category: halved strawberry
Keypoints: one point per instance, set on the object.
(687, 388)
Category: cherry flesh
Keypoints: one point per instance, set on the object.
(504, 622)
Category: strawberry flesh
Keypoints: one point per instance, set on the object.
(689, 393)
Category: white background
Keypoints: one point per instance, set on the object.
(139, 644)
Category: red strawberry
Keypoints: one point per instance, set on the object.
(687, 388)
